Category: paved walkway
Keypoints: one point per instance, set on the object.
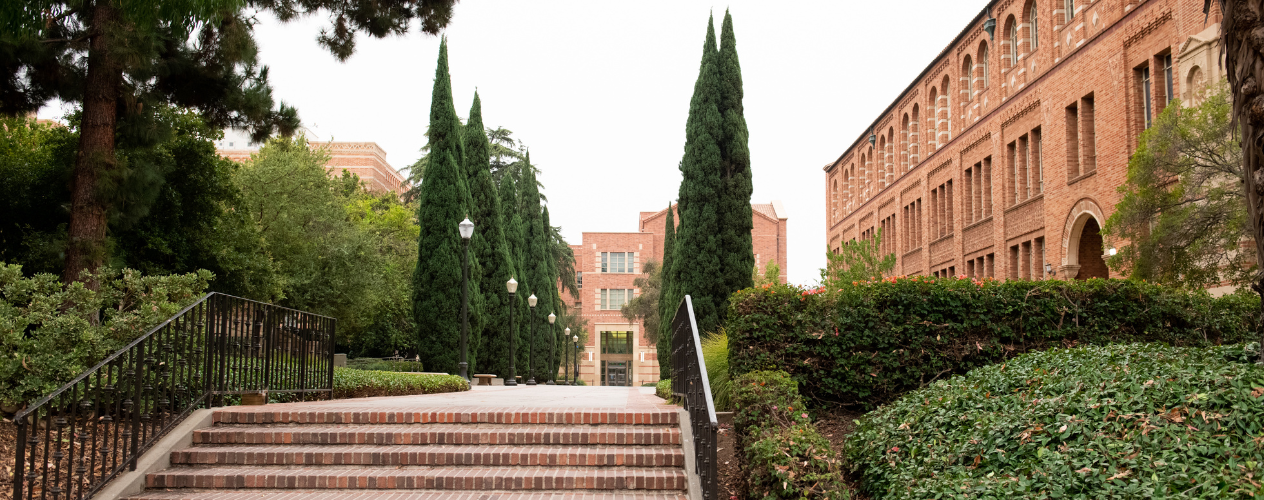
(522, 397)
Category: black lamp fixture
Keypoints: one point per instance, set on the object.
(511, 380)
(566, 362)
(873, 138)
(552, 350)
(466, 228)
(531, 340)
(1049, 269)
(990, 25)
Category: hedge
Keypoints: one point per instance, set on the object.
(1120, 421)
(353, 383)
(871, 342)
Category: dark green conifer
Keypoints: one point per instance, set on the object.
(697, 258)
(491, 247)
(736, 248)
(553, 361)
(515, 239)
(444, 202)
(666, 308)
(536, 258)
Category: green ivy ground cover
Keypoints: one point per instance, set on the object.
(869, 343)
(1118, 421)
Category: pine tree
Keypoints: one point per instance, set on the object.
(736, 249)
(515, 239)
(443, 204)
(697, 258)
(666, 308)
(493, 248)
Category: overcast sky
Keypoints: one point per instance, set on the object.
(600, 91)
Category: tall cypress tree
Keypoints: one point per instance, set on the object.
(444, 203)
(555, 299)
(736, 249)
(515, 239)
(666, 308)
(491, 247)
(697, 260)
(536, 258)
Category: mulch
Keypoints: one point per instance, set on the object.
(836, 425)
(8, 442)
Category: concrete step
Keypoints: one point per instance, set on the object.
(264, 415)
(406, 495)
(441, 434)
(439, 478)
(432, 455)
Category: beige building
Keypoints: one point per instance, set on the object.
(365, 159)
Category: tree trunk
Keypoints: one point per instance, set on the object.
(1242, 35)
(85, 249)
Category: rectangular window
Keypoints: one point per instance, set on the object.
(1146, 96)
(1073, 140)
(1167, 78)
(1035, 163)
(613, 299)
(990, 265)
(1038, 257)
(1088, 135)
(579, 279)
(616, 262)
(616, 342)
(1013, 262)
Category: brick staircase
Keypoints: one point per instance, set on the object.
(326, 452)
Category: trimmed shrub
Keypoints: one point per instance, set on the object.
(715, 354)
(1119, 421)
(663, 389)
(765, 399)
(871, 342)
(383, 365)
(352, 383)
(794, 462)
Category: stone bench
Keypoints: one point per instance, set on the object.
(484, 378)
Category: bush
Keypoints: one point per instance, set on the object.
(1120, 421)
(382, 365)
(764, 399)
(871, 342)
(715, 354)
(50, 333)
(794, 462)
(352, 383)
(663, 389)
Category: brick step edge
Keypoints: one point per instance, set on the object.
(513, 478)
(438, 455)
(420, 436)
(404, 495)
(250, 415)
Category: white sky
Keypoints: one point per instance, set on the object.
(600, 91)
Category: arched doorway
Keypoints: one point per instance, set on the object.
(1092, 265)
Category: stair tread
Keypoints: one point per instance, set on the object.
(511, 416)
(405, 495)
(432, 455)
(447, 478)
(438, 434)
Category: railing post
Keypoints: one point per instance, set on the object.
(20, 459)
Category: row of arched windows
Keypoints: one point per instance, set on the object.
(877, 167)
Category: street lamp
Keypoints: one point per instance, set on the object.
(566, 379)
(511, 380)
(576, 340)
(467, 230)
(531, 340)
(552, 350)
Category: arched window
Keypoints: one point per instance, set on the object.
(1194, 85)
(1034, 37)
(834, 215)
(914, 145)
(983, 73)
(932, 118)
(967, 80)
(1068, 11)
(881, 162)
(852, 183)
(890, 151)
(1011, 44)
(943, 116)
(904, 143)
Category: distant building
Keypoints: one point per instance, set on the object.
(365, 159)
(606, 264)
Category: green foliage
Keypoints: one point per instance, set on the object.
(736, 248)
(1118, 421)
(644, 308)
(35, 165)
(785, 456)
(385, 365)
(515, 236)
(770, 276)
(1183, 213)
(668, 299)
(872, 342)
(856, 261)
(352, 383)
(444, 203)
(538, 280)
(491, 247)
(715, 354)
(50, 332)
(664, 389)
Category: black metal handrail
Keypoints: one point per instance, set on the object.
(691, 385)
(75, 440)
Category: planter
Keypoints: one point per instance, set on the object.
(254, 399)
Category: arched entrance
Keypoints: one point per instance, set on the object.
(1082, 243)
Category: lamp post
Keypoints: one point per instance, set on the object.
(552, 351)
(576, 340)
(531, 340)
(512, 286)
(566, 363)
(467, 230)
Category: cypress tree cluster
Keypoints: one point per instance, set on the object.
(538, 279)
(516, 237)
(666, 308)
(445, 201)
(712, 253)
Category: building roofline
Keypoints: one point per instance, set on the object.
(899, 97)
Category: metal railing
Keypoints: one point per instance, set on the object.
(691, 385)
(75, 440)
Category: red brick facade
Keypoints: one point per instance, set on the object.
(1005, 154)
(641, 361)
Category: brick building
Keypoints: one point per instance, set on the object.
(606, 265)
(1004, 155)
(365, 159)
